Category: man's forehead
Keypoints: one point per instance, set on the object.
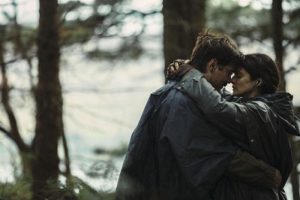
(230, 68)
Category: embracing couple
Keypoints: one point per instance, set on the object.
(195, 141)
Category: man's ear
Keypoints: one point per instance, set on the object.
(212, 65)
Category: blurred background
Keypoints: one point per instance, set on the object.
(75, 76)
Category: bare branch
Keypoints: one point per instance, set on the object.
(6, 132)
(10, 4)
(142, 14)
(289, 70)
(11, 61)
(68, 10)
(14, 133)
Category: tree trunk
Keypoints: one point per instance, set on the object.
(294, 175)
(26, 164)
(277, 34)
(183, 20)
(49, 121)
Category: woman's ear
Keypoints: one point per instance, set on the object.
(258, 82)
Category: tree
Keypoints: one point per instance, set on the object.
(13, 131)
(49, 110)
(277, 35)
(40, 156)
(183, 20)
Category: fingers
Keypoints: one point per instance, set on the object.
(175, 66)
(174, 69)
(187, 61)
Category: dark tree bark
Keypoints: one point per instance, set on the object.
(277, 34)
(49, 121)
(295, 174)
(183, 20)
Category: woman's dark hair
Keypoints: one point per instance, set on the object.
(262, 66)
(211, 46)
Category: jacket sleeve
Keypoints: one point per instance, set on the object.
(247, 168)
(231, 118)
(228, 116)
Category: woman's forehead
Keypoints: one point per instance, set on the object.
(241, 70)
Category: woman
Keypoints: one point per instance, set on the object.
(258, 122)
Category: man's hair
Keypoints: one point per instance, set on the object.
(212, 46)
(262, 66)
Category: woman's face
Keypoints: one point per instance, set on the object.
(243, 85)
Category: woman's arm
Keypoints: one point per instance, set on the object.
(227, 115)
(253, 171)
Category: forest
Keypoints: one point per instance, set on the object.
(76, 74)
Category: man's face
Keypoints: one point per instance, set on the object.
(220, 76)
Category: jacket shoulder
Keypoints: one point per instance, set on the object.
(165, 88)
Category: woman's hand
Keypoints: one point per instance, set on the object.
(177, 69)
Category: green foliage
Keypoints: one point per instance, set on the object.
(129, 48)
(78, 190)
(72, 34)
(69, 6)
(106, 20)
(97, 20)
(292, 31)
(15, 191)
(245, 22)
(96, 24)
(240, 22)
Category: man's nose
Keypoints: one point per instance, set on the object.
(229, 79)
(232, 80)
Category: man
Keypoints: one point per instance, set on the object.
(174, 152)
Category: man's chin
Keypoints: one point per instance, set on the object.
(220, 87)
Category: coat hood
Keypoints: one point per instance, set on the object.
(281, 104)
